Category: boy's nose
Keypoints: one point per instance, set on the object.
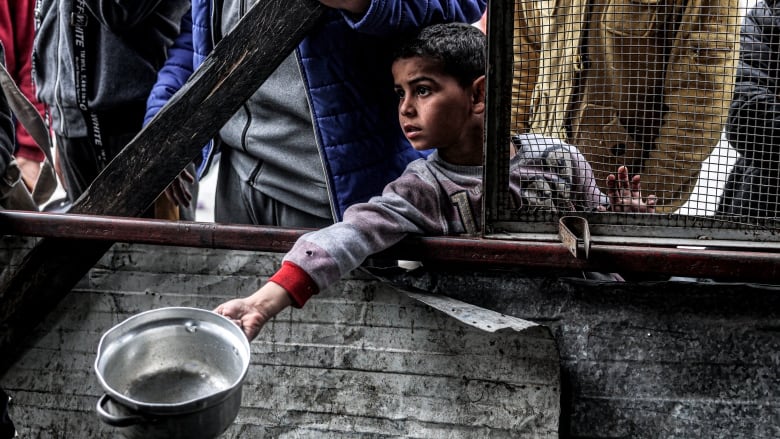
(406, 107)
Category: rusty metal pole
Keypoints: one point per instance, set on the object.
(755, 266)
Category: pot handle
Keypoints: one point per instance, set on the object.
(115, 420)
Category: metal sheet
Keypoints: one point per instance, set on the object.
(480, 318)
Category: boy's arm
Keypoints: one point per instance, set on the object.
(556, 172)
(320, 258)
(326, 255)
(251, 313)
(622, 195)
(569, 177)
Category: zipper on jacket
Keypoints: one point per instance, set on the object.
(243, 141)
(242, 7)
(216, 21)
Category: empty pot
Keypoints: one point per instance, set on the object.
(172, 373)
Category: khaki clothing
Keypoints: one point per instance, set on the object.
(527, 35)
(644, 84)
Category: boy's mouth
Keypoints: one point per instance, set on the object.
(411, 131)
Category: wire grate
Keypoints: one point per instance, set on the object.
(680, 92)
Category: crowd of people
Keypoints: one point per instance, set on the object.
(372, 129)
(327, 105)
(439, 77)
(353, 134)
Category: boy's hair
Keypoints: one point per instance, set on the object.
(458, 47)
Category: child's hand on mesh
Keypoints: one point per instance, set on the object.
(625, 195)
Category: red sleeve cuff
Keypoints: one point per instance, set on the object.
(296, 281)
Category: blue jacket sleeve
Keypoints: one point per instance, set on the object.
(386, 17)
(177, 70)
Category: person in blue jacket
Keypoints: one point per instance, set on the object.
(321, 133)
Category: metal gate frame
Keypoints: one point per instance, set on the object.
(501, 222)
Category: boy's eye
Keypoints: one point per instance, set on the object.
(422, 91)
(399, 92)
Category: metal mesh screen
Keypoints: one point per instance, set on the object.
(680, 92)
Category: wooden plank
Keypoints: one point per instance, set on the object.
(239, 64)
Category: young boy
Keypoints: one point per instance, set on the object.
(440, 82)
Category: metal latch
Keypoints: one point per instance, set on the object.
(574, 233)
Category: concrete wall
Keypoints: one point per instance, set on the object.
(648, 360)
(362, 360)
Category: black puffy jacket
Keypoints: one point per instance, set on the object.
(753, 126)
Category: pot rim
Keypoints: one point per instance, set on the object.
(173, 313)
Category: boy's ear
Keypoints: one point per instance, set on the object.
(478, 98)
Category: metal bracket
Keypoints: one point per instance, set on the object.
(574, 233)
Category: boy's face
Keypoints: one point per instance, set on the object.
(436, 112)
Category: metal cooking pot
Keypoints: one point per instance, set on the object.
(172, 373)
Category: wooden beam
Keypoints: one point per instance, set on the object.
(239, 64)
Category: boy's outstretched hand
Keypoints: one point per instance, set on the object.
(625, 195)
(251, 313)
